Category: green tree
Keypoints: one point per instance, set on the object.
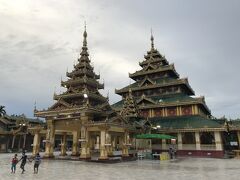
(2, 111)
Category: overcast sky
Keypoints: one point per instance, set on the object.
(39, 40)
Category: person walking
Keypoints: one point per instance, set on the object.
(14, 163)
(24, 159)
(37, 161)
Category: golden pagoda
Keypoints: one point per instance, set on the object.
(84, 114)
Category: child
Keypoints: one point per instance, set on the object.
(14, 163)
(37, 161)
(24, 160)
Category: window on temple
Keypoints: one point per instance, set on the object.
(188, 138)
(207, 138)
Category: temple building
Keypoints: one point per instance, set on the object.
(14, 135)
(84, 115)
(169, 104)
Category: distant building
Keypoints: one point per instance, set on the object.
(168, 103)
(14, 134)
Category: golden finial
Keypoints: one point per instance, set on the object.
(152, 39)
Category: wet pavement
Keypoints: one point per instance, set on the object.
(181, 169)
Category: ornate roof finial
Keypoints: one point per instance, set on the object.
(35, 105)
(152, 40)
(85, 35)
(55, 90)
(108, 95)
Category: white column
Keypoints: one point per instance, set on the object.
(36, 143)
(13, 141)
(85, 150)
(238, 135)
(50, 137)
(24, 140)
(124, 144)
(164, 145)
(180, 146)
(218, 141)
(75, 150)
(63, 144)
(197, 139)
(103, 151)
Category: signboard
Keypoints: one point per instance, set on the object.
(234, 143)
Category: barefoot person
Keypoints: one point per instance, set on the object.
(37, 161)
(14, 163)
(24, 160)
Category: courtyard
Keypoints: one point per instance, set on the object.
(182, 168)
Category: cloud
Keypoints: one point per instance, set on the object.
(40, 39)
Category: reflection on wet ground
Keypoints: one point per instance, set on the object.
(183, 168)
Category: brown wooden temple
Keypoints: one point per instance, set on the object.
(168, 103)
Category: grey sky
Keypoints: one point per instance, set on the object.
(39, 40)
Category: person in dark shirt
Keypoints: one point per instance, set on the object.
(37, 161)
(24, 159)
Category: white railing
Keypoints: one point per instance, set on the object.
(189, 147)
(208, 146)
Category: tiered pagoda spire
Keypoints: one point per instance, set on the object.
(82, 90)
(129, 107)
(159, 90)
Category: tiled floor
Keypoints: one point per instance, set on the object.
(186, 169)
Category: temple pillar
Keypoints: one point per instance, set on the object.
(85, 151)
(110, 145)
(97, 142)
(125, 144)
(165, 112)
(19, 142)
(75, 149)
(164, 145)
(180, 111)
(218, 141)
(193, 109)
(180, 146)
(50, 139)
(63, 145)
(238, 135)
(36, 143)
(103, 151)
(13, 141)
(196, 109)
(24, 141)
(114, 143)
(197, 140)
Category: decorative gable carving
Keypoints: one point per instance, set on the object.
(60, 104)
(145, 101)
(146, 81)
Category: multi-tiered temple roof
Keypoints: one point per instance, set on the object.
(159, 87)
(82, 93)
